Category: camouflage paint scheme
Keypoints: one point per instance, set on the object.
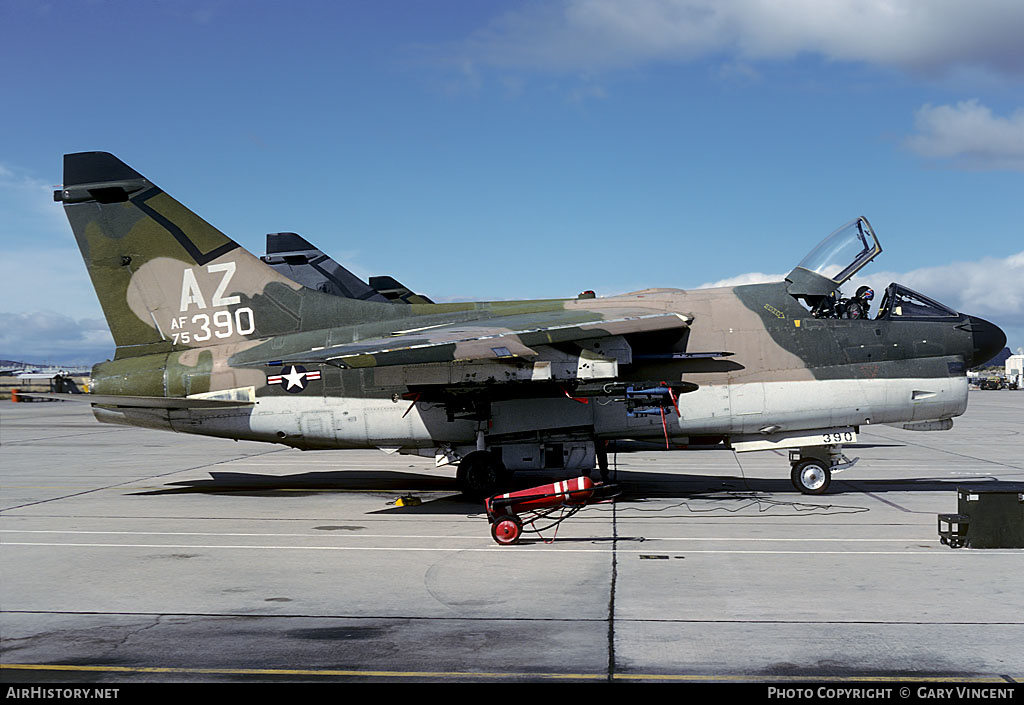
(211, 340)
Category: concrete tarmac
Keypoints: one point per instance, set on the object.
(132, 555)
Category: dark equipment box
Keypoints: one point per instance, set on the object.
(985, 519)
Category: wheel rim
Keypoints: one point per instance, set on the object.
(813, 477)
(482, 479)
(506, 531)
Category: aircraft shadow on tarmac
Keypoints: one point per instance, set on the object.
(636, 486)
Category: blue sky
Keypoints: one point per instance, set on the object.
(496, 150)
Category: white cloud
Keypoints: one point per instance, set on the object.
(992, 287)
(45, 269)
(46, 336)
(743, 279)
(28, 208)
(927, 36)
(44, 274)
(970, 136)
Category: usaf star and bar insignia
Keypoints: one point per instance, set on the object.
(294, 379)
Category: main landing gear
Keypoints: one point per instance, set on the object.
(481, 474)
(813, 467)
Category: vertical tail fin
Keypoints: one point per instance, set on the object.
(165, 277)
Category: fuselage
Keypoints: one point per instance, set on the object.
(786, 371)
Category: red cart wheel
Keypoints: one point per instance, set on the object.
(507, 529)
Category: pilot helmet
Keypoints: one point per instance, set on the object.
(866, 293)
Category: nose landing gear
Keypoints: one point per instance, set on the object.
(813, 467)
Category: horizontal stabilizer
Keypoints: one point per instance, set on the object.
(141, 402)
(394, 290)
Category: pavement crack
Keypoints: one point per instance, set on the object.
(611, 597)
(131, 633)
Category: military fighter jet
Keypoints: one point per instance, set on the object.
(213, 341)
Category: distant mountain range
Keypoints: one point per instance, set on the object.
(999, 360)
(17, 363)
(20, 365)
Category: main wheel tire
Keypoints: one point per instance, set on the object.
(811, 476)
(481, 474)
(507, 529)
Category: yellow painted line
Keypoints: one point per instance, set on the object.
(301, 672)
(821, 679)
(509, 674)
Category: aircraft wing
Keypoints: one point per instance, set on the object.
(498, 338)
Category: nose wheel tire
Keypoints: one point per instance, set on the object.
(811, 476)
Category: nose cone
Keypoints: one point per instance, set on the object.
(988, 340)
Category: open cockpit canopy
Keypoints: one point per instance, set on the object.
(844, 252)
(835, 259)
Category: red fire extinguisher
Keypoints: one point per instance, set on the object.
(503, 509)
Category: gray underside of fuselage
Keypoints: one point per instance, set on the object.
(342, 422)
